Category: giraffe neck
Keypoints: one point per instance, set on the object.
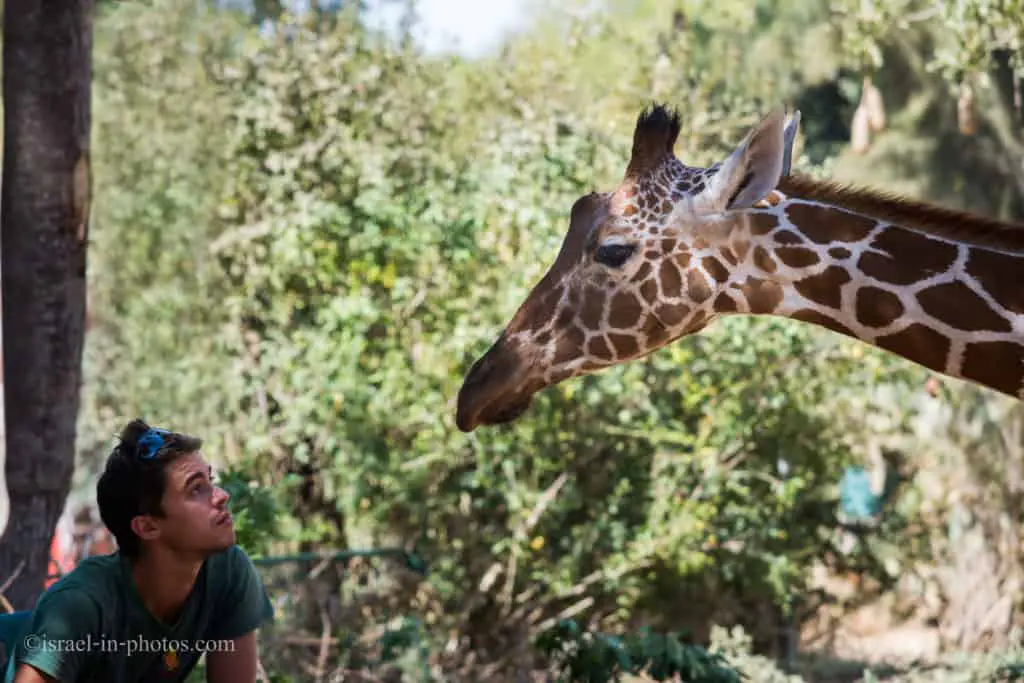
(950, 306)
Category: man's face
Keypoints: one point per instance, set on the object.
(196, 518)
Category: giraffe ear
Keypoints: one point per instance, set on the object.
(755, 166)
(788, 141)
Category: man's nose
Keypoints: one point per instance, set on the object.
(221, 495)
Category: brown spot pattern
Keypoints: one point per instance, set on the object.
(649, 291)
(920, 344)
(625, 310)
(908, 257)
(763, 260)
(700, 320)
(671, 282)
(877, 307)
(598, 348)
(824, 288)
(825, 226)
(593, 307)
(840, 253)
(549, 300)
(625, 344)
(1000, 275)
(999, 365)
(671, 314)
(570, 345)
(811, 316)
(797, 257)
(763, 296)
(955, 304)
(763, 223)
(715, 269)
(725, 304)
(787, 237)
(697, 286)
(642, 272)
(655, 332)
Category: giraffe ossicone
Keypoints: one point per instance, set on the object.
(675, 247)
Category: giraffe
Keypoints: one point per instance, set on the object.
(673, 248)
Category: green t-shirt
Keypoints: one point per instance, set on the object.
(92, 625)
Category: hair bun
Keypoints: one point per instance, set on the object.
(131, 433)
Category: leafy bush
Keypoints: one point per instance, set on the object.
(580, 655)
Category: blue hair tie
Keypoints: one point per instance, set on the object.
(151, 442)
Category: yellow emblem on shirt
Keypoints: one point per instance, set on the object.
(171, 660)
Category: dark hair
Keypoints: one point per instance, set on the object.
(133, 480)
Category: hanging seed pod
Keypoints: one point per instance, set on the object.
(965, 109)
(860, 131)
(871, 100)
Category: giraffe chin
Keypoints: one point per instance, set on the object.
(492, 414)
(505, 414)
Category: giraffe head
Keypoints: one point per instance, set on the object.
(636, 270)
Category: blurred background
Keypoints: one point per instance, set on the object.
(309, 220)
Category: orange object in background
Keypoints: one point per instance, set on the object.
(62, 558)
(73, 541)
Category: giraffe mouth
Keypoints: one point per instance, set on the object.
(493, 392)
(492, 414)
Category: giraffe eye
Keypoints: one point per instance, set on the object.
(614, 255)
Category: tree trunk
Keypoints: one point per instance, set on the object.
(44, 220)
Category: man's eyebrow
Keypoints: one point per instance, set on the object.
(195, 475)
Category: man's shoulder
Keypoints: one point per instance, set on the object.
(229, 567)
(91, 593)
(229, 562)
(98, 577)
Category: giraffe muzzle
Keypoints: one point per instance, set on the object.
(492, 392)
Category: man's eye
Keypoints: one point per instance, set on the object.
(614, 255)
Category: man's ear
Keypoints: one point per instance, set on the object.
(755, 166)
(145, 528)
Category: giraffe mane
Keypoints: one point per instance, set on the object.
(930, 218)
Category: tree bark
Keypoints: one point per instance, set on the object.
(44, 224)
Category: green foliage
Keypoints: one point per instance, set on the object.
(576, 654)
(735, 646)
(256, 510)
(157, 122)
(969, 33)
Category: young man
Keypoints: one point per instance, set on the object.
(177, 587)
